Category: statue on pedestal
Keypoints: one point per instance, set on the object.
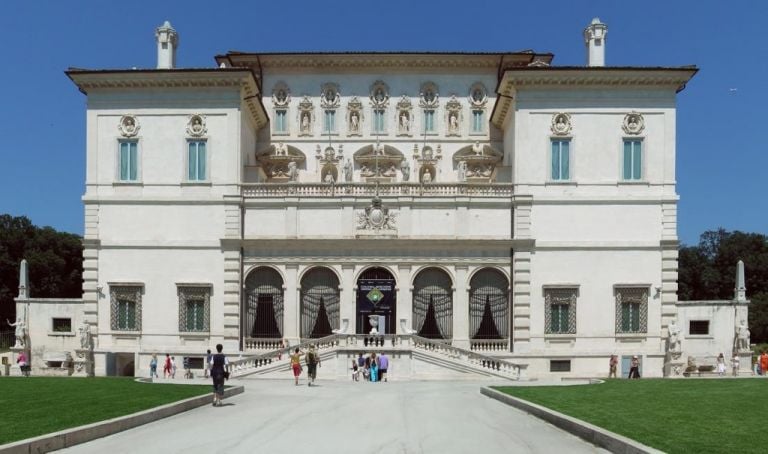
(21, 331)
(85, 335)
(674, 337)
(742, 337)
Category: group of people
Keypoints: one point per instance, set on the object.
(372, 367)
(312, 361)
(169, 366)
(634, 367)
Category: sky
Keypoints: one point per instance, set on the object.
(722, 155)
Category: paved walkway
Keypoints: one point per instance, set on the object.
(274, 416)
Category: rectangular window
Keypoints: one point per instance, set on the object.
(429, 121)
(125, 302)
(561, 160)
(62, 325)
(281, 121)
(194, 308)
(378, 121)
(698, 327)
(478, 118)
(196, 161)
(633, 160)
(631, 309)
(129, 165)
(330, 122)
(560, 310)
(560, 365)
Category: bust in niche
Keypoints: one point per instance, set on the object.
(426, 177)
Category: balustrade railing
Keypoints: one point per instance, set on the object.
(260, 360)
(489, 345)
(370, 189)
(496, 365)
(255, 343)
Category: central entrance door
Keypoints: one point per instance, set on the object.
(376, 295)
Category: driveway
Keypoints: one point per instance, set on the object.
(274, 416)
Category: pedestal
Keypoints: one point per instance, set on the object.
(674, 365)
(83, 363)
(745, 363)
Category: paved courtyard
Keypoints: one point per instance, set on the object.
(274, 416)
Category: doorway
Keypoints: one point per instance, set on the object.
(376, 296)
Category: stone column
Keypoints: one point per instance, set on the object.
(461, 308)
(291, 304)
(348, 297)
(404, 296)
(521, 302)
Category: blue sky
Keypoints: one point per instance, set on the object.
(721, 153)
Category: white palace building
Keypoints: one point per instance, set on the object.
(479, 213)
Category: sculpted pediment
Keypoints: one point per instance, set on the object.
(477, 163)
(281, 162)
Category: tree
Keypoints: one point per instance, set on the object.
(708, 271)
(55, 262)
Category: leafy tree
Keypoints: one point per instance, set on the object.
(55, 262)
(708, 271)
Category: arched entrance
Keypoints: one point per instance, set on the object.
(376, 295)
(264, 304)
(433, 304)
(488, 305)
(319, 303)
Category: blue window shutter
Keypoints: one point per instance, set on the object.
(555, 160)
(637, 161)
(627, 164)
(565, 158)
(124, 157)
(201, 160)
(192, 161)
(133, 170)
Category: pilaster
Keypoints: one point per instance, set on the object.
(291, 314)
(348, 296)
(521, 302)
(461, 308)
(230, 323)
(404, 297)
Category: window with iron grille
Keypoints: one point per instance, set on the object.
(698, 327)
(62, 325)
(125, 303)
(560, 365)
(194, 308)
(560, 307)
(631, 309)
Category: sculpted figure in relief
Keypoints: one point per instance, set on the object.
(405, 123)
(406, 169)
(477, 149)
(293, 172)
(674, 337)
(453, 122)
(462, 169)
(305, 122)
(21, 331)
(85, 335)
(348, 171)
(426, 177)
(742, 336)
(354, 122)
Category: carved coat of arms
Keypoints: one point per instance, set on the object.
(376, 217)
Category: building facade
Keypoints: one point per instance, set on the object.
(493, 202)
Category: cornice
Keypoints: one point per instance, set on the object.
(623, 77)
(243, 79)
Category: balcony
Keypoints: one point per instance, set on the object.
(485, 190)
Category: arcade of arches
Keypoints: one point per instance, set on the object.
(284, 302)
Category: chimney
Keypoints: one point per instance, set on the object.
(594, 38)
(167, 41)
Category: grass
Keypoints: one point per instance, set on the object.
(33, 406)
(676, 416)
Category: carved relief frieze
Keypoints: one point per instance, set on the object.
(633, 123)
(453, 116)
(377, 218)
(477, 163)
(128, 126)
(561, 124)
(281, 163)
(196, 126)
(378, 162)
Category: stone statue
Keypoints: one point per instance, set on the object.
(462, 169)
(85, 335)
(406, 169)
(293, 172)
(305, 122)
(742, 337)
(453, 122)
(674, 337)
(391, 171)
(354, 122)
(405, 123)
(329, 178)
(477, 149)
(426, 177)
(281, 149)
(374, 321)
(348, 171)
(21, 331)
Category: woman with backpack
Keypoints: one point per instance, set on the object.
(219, 373)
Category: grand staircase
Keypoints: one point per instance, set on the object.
(412, 357)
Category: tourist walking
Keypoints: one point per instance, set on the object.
(313, 361)
(374, 368)
(367, 370)
(167, 366)
(153, 367)
(383, 366)
(612, 365)
(21, 360)
(296, 365)
(355, 370)
(173, 367)
(735, 363)
(634, 369)
(721, 365)
(219, 372)
(764, 362)
(208, 357)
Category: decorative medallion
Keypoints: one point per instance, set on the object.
(376, 217)
(561, 124)
(281, 95)
(196, 126)
(633, 123)
(375, 296)
(330, 98)
(478, 96)
(430, 98)
(128, 126)
(379, 95)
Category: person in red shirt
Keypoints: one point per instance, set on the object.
(764, 362)
(167, 366)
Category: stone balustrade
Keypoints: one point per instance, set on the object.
(263, 190)
(255, 343)
(489, 345)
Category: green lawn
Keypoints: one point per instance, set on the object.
(686, 415)
(33, 406)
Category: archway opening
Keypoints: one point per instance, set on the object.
(377, 300)
(433, 304)
(320, 303)
(488, 305)
(264, 304)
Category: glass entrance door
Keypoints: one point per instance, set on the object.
(377, 297)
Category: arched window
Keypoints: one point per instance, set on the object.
(488, 305)
(320, 303)
(264, 304)
(433, 304)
